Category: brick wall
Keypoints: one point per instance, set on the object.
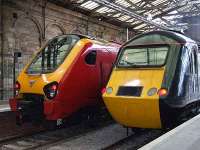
(26, 28)
(23, 26)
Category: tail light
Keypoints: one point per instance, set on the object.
(107, 90)
(51, 90)
(162, 92)
(103, 90)
(17, 88)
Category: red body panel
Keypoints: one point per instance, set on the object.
(13, 104)
(81, 85)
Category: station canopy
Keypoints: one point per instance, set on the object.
(138, 15)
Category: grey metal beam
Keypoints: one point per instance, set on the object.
(128, 12)
(163, 14)
(137, 7)
(188, 14)
(159, 9)
(197, 7)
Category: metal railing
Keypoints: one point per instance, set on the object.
(12, 65)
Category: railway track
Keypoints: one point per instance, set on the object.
(47, 139)
(9, 130)
(94, 140)
(43, 137)
(16, 136)
(135, 140)
(37, 140)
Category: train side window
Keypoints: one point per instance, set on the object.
(198, 60)
(90, 58)
(195, 63)
(191, 63)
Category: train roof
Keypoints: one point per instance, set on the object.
(179, 37)
(81, 36)
(99, 40)
(96, 40)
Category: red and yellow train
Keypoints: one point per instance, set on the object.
(66, 75)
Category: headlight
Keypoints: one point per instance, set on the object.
(152, 91)
(109, 90)
(51, 90)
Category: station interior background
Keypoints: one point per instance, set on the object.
(25, 25)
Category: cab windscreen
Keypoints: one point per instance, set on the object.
(53, 54)
(142, 56)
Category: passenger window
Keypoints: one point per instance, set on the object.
(191, 60)
(90, 58)
(195, 63)
(198, 60)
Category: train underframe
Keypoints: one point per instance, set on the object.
(174, 116)
(28, 109)
(32, 109)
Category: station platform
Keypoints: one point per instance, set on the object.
(184, 137)
(4, 106)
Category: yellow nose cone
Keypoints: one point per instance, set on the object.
(135, 110)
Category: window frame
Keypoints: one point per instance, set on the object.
(198, 63)
(195, 55)
(89, 52)
(143, 46)
(41, 52)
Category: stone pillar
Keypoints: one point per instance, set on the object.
(44, 3)
(1, 50)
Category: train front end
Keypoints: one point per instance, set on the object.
(38, 84)
(141, 79)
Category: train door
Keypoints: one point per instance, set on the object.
(105, 67)
(198, 72)
(193, 85)
(91, 59)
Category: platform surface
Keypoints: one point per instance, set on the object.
(184, 137)
(95, 140)
(4, 106)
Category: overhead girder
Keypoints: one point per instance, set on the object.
(162, 14)
(134, 10)
(126, 11)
